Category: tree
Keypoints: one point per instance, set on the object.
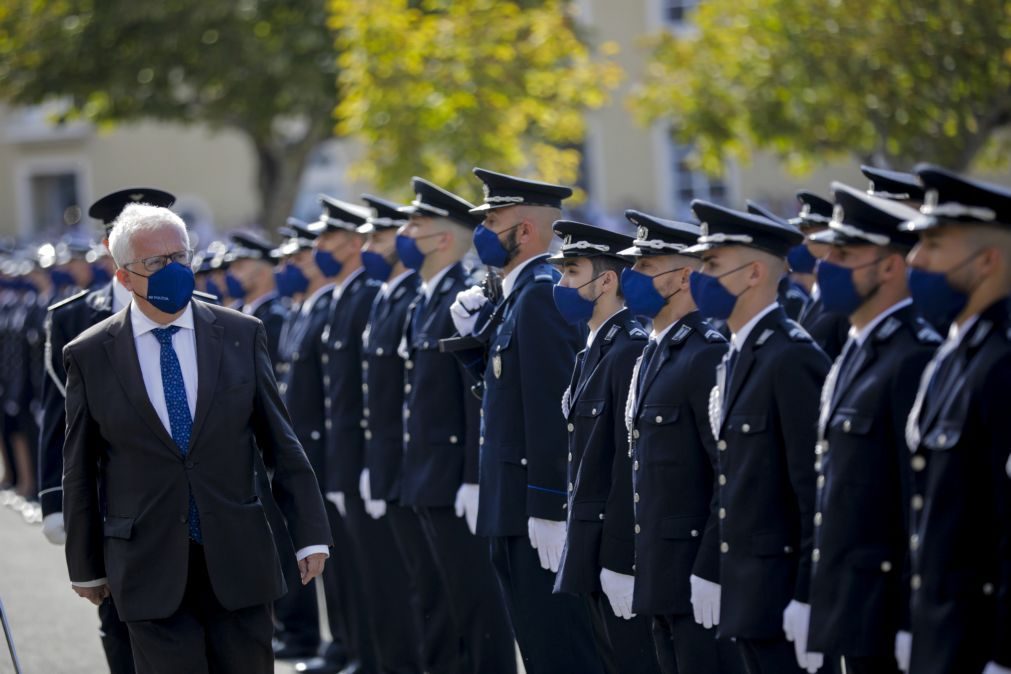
(891, 82)
(435, 87)
(265, 68)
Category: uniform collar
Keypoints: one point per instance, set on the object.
(141, 324)
(346, 283)
(860, 336)
(738, 339)
(310, 301)
(392, 284)
(251, 308)
(607, 321)
(956, 333)
(509, 282)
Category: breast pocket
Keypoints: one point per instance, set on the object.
(589, 408)
(503, 362)
(851, 422)
(943, 436)
(660, 415)
(747, 424)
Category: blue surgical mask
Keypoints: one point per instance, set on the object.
(170, 288)
(713, 300)
(641, 296)
(99, 277)
(573, 307)
(934, 297)
(375, 265)
(409, 253)
(290, 281)
(212, 288)
(839, 293)
(800, 259)
(327, 263)
(61, 278)
(234, 288)
(489, 246)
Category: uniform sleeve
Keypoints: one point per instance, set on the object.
(81, 508)
(617, 547)
(547, 353)
(52, 426)
(801, 375)
(472, 425)
(703, 377)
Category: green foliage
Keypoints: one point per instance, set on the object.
(435, 87)
(891, 82)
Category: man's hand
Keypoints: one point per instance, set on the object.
(337, 498)
(465, 310)
(376, 508)
(903, 649)
(93, 594)
(311, 566)
(547, 537)
(796, 618)
(618, 588)
(52, 528)
(466, 504)
(705, 601)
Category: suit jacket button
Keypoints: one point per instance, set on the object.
(815, 555)
(659, 418)
(601, 516)
(722, 479)
(988, 589)
(637, 529)
(379, 351)
(314, 435)
(189, 464)
(695, 533)
(452, 439)
(915, 582)
(183, 519)
(523, 462)
(571, 428)
(722, 445)
(745, 428)
(847, 425)
(886, 566)
(724, 547)
(918, 463)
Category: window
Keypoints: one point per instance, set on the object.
(690, 183)
(55, 202)
(678, 12)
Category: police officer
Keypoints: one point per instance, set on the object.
(958, 432)
(762, 412)
(441, 431)
(597, 560)
(894, 185)
(828, 329)
(530, 356)
(674, 454)
(252, 262)
(793, 296)
(858, 589)
(382, 581)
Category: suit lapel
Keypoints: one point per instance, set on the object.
(122, 352)
(209, 344)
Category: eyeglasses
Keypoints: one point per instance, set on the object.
(156, 263)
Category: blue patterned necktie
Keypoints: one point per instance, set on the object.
(180, 421)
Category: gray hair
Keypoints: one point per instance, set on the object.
(140, 218)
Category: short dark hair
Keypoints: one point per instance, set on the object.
(605, 263)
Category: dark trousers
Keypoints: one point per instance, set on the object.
(387, 585)
(346, 603)
(623, 645)
(768, 656)
(881, 664)
(297, 617)
(483, 639)
(553, 630)
(440, 642)
(202, 636)
(685, 647)
(115, 639)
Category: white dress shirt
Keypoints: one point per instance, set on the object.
(392, 284)
(510, 280)
(250, 307)
(121, 297)
(308, 303)
(339, 290)
(593, 333)
(738, 339)
(860, 336)
(428, 287)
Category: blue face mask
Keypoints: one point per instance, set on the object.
(573, 307)
(409, 253)
(99, 277)
(61, 278)
(839, 293)
(800, 259)
(713, 300)
(375, 265)
(327, 263)
(234, 288)
(641, 296)
(212, 288)
(489, 246)
(170, 288)
(934, 297)
(290, 281)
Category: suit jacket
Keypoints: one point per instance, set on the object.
(342, 383)
(829, 330)
(959, 436)
(384, 396)
(675, 467)
(139, 538)
(599, 531)
(441, 415)
(523, 438)
(858, 589)
(765, 421)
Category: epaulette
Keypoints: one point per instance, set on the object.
(713, 336)
(546, 272)
(635, 330)
(764, 337)
(447, 283)
(796, 333)
(69, 300)
(399, 292)
(980, 333)
(925, 332)
(207, 297)
(681, 335)
(612, 331)
(887, 329)
(371, 282)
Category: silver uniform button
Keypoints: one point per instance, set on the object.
(746, 428)
(817, 519)
(338, 344)
(815, 555)
(821, 481)
(914, 542)
(847, 425)
(570, 486)
(637, 529)
(327, 403)
(695, 533)
(523, 462)
(452, 439)
(326, 380)
(364, 423)
(570, 457)
(722, 445)
(323, 359)
(379, 351)
(365, 364)
(635, 497)
(365, 412)
(917, 502)
(407, 388)
(918, 463)
(314, 435)
(365, 388)
(635, 434)
(886, 566)
(915, 582)
(593, 411)
(659, 418)
(368, 434)
(407, 437)
(988, 589)
(327, 424)
(722, 479)
(571, 428)
(407, 413)
(601, 516)
(724, 547)
(635, 465)
(723, 513)
(409, 364)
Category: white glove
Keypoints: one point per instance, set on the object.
(903, 648)
(464, 311)
(618, 588)
(705, 601)
(994, 668)
(337, 498)
(547, 537)
(376, 508)
(466, 505)
(796, 617)
(52, 528)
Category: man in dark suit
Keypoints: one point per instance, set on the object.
(958, 431)
(530, 355)
(65, 320)
(597, 561)
(674, 455)
(176, 533)
(859, 588)
(762, 412)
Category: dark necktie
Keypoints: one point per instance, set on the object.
(180, 421)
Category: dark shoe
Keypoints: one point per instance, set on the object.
(319, 666)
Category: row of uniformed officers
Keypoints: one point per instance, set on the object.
(627, 456)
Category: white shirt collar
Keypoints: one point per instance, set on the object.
(738, 339)
(657, 337)
(956, 333)
(428, 287)
(121, 297)
(339, 290)
(510, 280)
(593, 333)
(308, 303)
(142, 324)
(392, 284)
(861, 335)
(251, 308)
